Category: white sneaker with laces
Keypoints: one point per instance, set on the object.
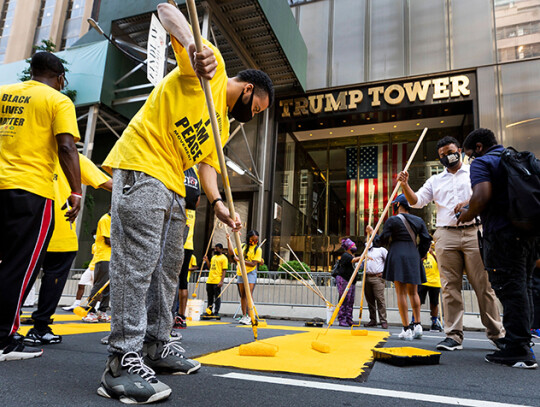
(417, 331)
(406, 335)
(75, 304)
(246, 320)
(90, 318)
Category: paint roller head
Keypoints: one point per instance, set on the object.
(194, 295)
(359, 332)
(208, 311)
(261, 323)
(80, 311)
(320, 346)
(258, 349)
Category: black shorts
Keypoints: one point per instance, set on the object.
(423, 290)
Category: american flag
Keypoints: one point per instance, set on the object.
(368, 171)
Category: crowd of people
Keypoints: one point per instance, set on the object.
(499, 259)
(144, 243)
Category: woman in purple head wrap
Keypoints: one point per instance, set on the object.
(345, 271)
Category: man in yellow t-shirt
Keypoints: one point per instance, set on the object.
(218, 267)
(60, 254)
(38, 128)
(432, 287)
(168, 135)
(252, 259)
(102, 258)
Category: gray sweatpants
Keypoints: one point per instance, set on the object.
(147, 240)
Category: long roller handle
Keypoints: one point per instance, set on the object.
(221, 157)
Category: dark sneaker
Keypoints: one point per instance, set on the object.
(179, 323)
(34, 337)
(522, 358)
(436, 325)
(129, 380)
(449, 344)
(535, 333)
(15, 350)
(18, 337)
(168, 358)
(499, 343)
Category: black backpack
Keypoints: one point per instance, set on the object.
(522, 169)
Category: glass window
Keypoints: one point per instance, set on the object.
(43, 29)
(72, 26)
(521, 105)
(518, 29)
(6, 19)
(387, 39)
(427, 36)
(313, 25)
(488, 99)
(348, 42)
(472, 36)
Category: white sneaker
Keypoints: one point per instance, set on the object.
(90, 318)
(72, 306)
(406, 335)
(418, 331)
(246, 320)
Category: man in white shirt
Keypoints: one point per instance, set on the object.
(456, 246)
(375, 284)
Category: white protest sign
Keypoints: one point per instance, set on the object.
(157, 49)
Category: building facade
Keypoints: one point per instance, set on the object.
(25, 23)
(379, 71)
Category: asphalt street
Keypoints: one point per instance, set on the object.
(68, 374)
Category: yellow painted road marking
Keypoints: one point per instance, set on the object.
(347, 358)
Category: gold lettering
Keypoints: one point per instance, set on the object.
(414, 90)
(316, 108)
(376, 92)
(394, 100)
(300, 107)
(459, 86)
(332, 104)
(356, 97)
(285, 104)
(440, 88)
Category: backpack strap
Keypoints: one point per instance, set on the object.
(408, 227)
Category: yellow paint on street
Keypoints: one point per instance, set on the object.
(58, 317)
(205, 323)
(347, 359)
(72, 328)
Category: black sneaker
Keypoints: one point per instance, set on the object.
(129, 380)
(34, 337)
(522, 357)
(499, 343)
(449, 344)
(179, 323)
(15, 350)
(168, 358)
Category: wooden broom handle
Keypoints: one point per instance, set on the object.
(219, 149)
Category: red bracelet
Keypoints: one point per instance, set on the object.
(75, 194)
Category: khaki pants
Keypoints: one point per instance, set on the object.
(457, 253)
(374, 293)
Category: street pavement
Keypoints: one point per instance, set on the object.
(68, 374)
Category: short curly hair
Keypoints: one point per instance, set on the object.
(447, 140)
(46, 64)
(260, 80)
(484, 136)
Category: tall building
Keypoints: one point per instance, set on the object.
(24, 23)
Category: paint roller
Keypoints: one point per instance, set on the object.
(90, 303)
(256, 348)
(324, 347)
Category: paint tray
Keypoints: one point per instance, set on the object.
(406, 356)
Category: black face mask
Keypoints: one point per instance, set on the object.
(242, 112)
(395, 207)
(450, 160)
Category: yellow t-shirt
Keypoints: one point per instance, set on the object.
(190, 223)
(92, 264)
(172, 131)
(252, 255)
(64, 238)
(103, 250)
(432, 272)
(192, 263)
(217, 265)
(32, 114)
